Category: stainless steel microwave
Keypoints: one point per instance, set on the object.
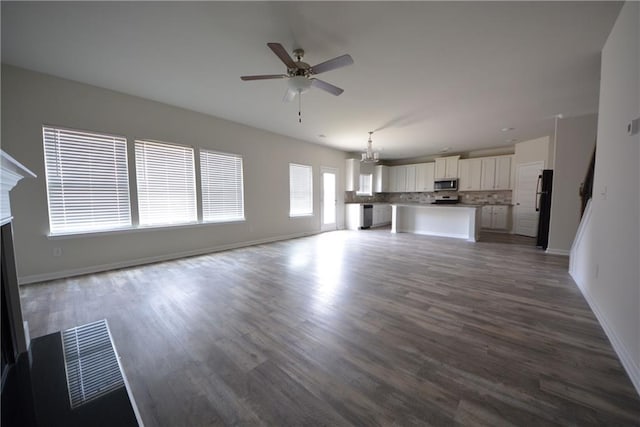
(445, 184)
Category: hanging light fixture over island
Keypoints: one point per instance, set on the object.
(370, 156)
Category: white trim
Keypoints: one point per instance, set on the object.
(36, 278)
(624, 355)
(618, 345)
(586, 217)
(552, 251)
(134, 229)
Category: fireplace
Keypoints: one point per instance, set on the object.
(17, 405)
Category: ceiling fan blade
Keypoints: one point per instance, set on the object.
(289, 95)
(282, 54)
(332, 64)
(327, 87)
(264, 77)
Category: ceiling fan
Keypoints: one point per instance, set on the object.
(299, 73)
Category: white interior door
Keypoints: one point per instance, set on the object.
(329, 199)
(526, 217)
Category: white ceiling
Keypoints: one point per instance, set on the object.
(427, 75)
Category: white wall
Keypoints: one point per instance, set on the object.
(534, 150)
(605, 257)
(575, 140)
(32, 99)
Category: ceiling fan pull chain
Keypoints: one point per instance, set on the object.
(299, 107)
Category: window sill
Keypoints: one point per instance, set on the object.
(301, 215)
(143, 228)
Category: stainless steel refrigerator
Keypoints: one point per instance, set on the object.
(543, 206)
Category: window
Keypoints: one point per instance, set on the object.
(366, 185)
(222, 192)
(300, 190)
(166, 183)
(87, 181)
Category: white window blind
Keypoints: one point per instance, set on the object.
(366, 185)
(222, 188)
(300, 190)
(87, 181)
(166, 183)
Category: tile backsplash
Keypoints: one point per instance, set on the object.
(502, 197)
(351, 197)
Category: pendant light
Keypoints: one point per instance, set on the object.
(370, 156)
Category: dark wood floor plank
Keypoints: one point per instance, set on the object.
(353, 328)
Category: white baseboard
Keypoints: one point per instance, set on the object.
(36, 278)
(552, 251)
(633, 370)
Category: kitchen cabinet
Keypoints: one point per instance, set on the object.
(496, 173)
(381, 179)
(381, 215)
(352, 175)
(503, 173)
(447, 167)
(470, 174)
(393, 179)
(488, 181)
(398, 177)
(495, 217)
(425, 173)
(410, 178)
(353, 217)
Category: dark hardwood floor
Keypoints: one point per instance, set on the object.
(353, 328)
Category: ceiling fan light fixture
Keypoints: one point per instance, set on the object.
(299, 84)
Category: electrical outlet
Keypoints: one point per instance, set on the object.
(57, 251)
(603, 193)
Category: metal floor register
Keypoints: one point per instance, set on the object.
(91, 362)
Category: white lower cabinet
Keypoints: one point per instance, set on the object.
(495, 217)
(381, 215)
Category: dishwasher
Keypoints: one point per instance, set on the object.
(367, 216)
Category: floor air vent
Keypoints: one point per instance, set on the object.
(91, 362)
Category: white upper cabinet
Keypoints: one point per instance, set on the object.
(398, 178)
(410, 185)
(352, 175)
(469, 173)
(381, 179)
(503, 173)
(447, 167)
(496, 173)
(488, 181)
(452, 167)
(425, 173)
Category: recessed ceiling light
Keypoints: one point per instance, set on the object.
(445, 149)
(506, 129)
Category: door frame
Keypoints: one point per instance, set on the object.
(334, 225)
(516, 192)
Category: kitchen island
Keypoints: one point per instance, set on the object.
(458, 221)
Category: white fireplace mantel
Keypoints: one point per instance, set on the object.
(12, 172)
